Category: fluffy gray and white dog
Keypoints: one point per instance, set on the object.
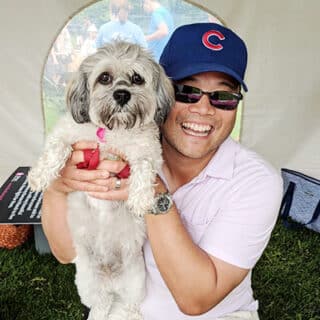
(122, 90)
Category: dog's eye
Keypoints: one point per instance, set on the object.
(105, 78)
(137, 79)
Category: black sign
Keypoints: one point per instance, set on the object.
(18, 204)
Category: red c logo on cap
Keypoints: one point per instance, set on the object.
(208, 44)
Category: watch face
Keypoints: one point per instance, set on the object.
(164, 203)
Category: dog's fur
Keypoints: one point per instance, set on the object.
(109, 235)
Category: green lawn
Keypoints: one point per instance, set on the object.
(286, 281)
(52, 111)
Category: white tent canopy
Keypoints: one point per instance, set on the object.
(281, 110)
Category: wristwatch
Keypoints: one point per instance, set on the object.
(162, 204)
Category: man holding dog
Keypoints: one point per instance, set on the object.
(202, 247)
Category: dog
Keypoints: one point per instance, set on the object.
(121, 90)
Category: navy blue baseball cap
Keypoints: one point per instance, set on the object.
(203, 47)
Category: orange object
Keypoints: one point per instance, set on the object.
(12, 236)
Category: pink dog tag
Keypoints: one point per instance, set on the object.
(100, 134)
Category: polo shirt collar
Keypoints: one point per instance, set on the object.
(222, 164)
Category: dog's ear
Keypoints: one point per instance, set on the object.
(165, 97)
(78, 97)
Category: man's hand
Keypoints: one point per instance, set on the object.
(99, 183)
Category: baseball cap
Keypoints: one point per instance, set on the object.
(202, 47)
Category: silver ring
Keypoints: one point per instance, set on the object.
(118, 184)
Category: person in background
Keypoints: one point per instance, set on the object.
(89, 45)
(217, 201)
(120, 28)
(62, 52)
(82, 33)
(160, 27)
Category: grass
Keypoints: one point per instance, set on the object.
(36, 287)
(53, 109)
(286, 281)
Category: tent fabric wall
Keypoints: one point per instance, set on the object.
(281, 111)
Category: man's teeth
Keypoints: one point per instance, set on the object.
(197, 128)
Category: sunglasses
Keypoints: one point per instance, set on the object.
(219, 99)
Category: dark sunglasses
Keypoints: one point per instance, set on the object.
(220, 99)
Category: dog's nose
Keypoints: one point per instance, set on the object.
(122, 96)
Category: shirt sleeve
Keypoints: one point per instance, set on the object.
(158, 18)
(240, 231)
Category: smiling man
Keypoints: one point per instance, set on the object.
(226, 198)
(197, 129)
(217, 202)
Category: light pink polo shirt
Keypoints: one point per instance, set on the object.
(229, 210)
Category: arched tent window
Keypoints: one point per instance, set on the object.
(98, 23)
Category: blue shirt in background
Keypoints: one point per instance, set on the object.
(158, 16)
(114, 30)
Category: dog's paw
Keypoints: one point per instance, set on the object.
(140, 202)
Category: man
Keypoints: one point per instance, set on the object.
(160, 27)
(120, 28)
(202, 247)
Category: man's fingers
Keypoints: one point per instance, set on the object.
(104, 165)
(76, 157)
(84, 186)
(72, 173)
(111, 166)
(112, 183)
